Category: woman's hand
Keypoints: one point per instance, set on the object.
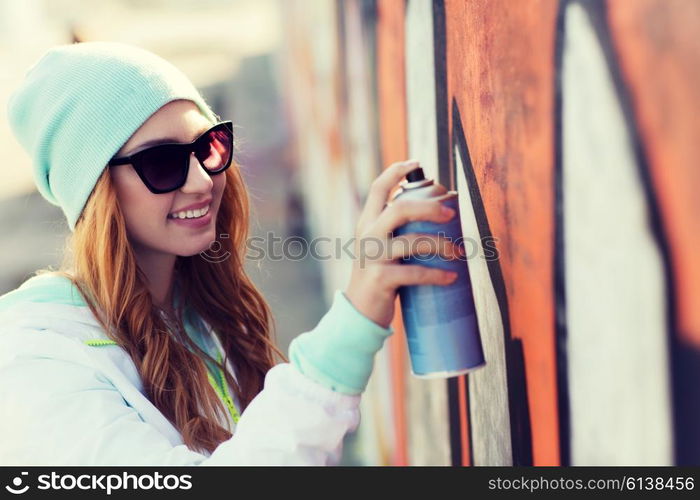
(377, 273)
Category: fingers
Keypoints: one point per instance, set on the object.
(424, 246)
(417, 245)
(396, 275)
(402, 211)
(382, 186)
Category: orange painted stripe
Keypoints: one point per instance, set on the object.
(392, 127)
(463, 419)
(397, 355)
(492, 49)
(664, 82)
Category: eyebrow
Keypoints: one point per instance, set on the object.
(163, 140)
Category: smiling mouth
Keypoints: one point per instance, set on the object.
(190, 214)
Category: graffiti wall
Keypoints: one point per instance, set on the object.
(569, 130)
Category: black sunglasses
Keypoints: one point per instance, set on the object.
(163, 168)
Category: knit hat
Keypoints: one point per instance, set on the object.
(80, 103)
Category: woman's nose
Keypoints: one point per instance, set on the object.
(198, 180)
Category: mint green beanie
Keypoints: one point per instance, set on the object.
(80, 103)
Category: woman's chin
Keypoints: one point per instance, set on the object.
(200, 244)
(199, 250)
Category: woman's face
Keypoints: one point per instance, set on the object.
(149, 220)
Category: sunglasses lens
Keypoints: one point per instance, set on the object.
(214, 150)
(163, 167)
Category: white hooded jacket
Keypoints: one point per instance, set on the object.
(70, 397)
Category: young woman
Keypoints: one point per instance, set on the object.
(139, 350)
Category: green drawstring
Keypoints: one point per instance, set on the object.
(221, 389)
(100, 342)
(220, 385)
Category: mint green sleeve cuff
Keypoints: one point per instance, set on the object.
(339, 352)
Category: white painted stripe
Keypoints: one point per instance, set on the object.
(617, 340)
(488, 388)
(428, 415)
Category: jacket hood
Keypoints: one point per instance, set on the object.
(52, 302)
(46, 302)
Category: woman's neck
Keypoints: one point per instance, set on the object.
(158, 268)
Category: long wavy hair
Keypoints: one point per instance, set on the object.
(101, 263)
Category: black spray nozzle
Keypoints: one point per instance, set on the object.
(415, 175)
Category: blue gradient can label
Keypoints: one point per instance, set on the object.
(440, 320)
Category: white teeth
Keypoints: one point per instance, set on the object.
(190, 214)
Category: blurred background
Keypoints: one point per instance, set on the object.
(230, 50)
(569, 129)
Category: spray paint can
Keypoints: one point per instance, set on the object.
(440, 320)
